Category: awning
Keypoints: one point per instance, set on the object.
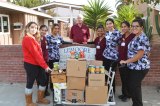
(7, 5)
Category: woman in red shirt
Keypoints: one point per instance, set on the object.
(34, 65)
(100, 42)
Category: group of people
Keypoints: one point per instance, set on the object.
(128, 49)
(40, 52)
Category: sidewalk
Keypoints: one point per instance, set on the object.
(13, 95)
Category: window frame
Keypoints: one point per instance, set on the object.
(2, 27)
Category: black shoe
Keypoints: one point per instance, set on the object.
(47, 93)
(125, 99)
(121, 96)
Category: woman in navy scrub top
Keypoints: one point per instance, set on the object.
(138, 61)
(111, 51)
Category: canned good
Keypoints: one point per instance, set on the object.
(72, 54)
(97, 70)
(81, 54)
(76, 55)
(102, 70)
(89, 68)
(56, 66)
(92, 69)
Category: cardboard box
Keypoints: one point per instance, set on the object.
(76, 83)
(96, 79)
(57, 77)
(75, 94)
(59, 95)
(59, 92)
(76, 68)
(59, 85)
(96, 62)
(96, 95)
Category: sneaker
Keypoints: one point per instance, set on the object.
(121, 96)
(125, 99)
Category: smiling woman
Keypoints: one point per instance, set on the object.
(34, 65)
(138, 61)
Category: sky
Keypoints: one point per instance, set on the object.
(111, 3)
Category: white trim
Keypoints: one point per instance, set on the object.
(3, 15)
(22, 9)
(156, 7)
(60, 4)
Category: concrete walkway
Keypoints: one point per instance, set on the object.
(13, 95)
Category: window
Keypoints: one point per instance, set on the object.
(4, 24)
(0, 25)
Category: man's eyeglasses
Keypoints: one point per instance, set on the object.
(136, 26)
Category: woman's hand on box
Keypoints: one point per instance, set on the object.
(48, 70)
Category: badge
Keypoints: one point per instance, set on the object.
(58, 41)
(122, 44)
(84, 30)
(98, 47)
(46, 46)
(107, 37)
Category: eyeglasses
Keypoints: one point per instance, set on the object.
(45, 30)
(136, 26)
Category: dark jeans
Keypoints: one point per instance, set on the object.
(135, 79)
(51, 66)
(124, 72)
(107, 64)
(34, 72)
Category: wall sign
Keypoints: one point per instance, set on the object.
(65, 54)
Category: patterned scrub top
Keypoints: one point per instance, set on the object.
(139, 43)
(112, 42)
(53, 46)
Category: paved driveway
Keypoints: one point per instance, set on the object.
(13, 95)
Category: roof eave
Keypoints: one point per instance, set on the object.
(23, 9)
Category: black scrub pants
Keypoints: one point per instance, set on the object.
(135, 80)
(107, 63)
(124, 73)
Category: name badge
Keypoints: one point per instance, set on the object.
(58, 41)
(122, 44)
(46, 46)
(98, 47)
(107, 37)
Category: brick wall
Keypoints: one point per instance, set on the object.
(153, 76)
(11, 65)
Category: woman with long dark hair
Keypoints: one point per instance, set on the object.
(111, 51)
(54, 41)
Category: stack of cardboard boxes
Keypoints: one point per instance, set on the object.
(76, 80)
(96, 91)
(77, 90)
(59, 85)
